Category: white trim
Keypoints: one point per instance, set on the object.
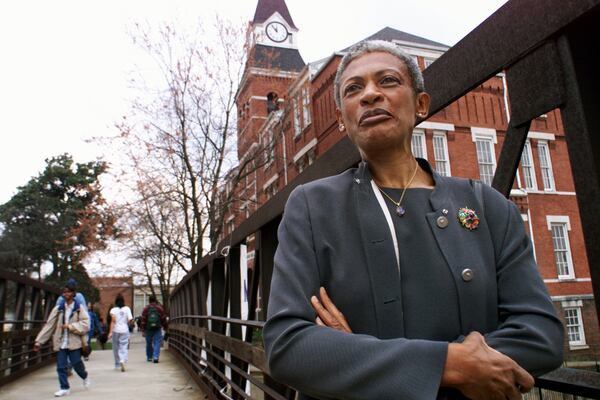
(270, 181)
(273, 72)
(413, 46)
(388, 219)
(551, 193)
(573, 297)
(483, 132)
(572, 303)
(258, 98)
(304, 150)
(561, 219)
(541, 135)
(567, 280)
(525, 217)
(232, 216)
(436, 125)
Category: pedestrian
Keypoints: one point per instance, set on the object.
(94, 327)
(121, 318)
(68, 324)
(102, 333)
(153, 320)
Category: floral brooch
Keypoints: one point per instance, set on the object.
(468, 218)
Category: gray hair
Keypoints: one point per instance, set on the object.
(372, 46)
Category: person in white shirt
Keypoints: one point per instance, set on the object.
(119, 331)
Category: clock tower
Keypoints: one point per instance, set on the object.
(273, 63)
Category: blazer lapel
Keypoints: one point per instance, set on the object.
(381, 259)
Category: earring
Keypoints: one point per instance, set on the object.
(419, 114)
(341, 127)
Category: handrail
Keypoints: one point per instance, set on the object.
(29, 305)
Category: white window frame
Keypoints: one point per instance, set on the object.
(574, 308)
(564, 222)
(268, 140)
(296, 112)
(527, 164)
(446, 158)
(306, 119)
(419, 135)
(544, 152)
(489, 137)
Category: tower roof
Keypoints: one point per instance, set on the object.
(266, 8)
(391, 34)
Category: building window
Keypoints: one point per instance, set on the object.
(440, 152)
(559, 226)
(269, 147)
(486, 158)
(546, 165)
(418, 144)
(527, 167)
(305, 107)
(296, 109)
(574, 325)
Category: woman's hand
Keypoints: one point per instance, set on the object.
(328, 314)
(480, 372)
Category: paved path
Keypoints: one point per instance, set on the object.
(142, 380)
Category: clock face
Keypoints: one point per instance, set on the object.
(277, 32)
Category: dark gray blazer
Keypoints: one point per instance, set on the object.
(334, 234)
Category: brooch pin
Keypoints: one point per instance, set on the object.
(468, 218)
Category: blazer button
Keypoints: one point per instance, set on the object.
(442, 222)
(467, 274)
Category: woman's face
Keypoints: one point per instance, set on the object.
(378, 103)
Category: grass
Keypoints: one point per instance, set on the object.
(96, 346)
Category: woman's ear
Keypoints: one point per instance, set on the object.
(422, 106)
(341, 125)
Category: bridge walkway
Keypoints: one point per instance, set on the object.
(141, 380)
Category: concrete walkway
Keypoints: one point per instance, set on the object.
(142, 380)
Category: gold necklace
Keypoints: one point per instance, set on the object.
(400, 211)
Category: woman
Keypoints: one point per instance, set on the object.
(121, 318)
(68, 325)
(428, 282)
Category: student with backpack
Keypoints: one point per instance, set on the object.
(68, 326)
(153, 320)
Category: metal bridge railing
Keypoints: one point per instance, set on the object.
(24, 306)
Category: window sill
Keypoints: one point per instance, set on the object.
(567, 279)
(578, 346)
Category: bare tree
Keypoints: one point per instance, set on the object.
(180, 140)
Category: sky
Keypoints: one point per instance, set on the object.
(66, 63)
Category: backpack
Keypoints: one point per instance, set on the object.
(153, 319)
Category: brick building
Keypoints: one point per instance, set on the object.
(110, 287)
(286, 112)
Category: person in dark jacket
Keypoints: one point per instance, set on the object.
(392, 281)
(153, 321)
